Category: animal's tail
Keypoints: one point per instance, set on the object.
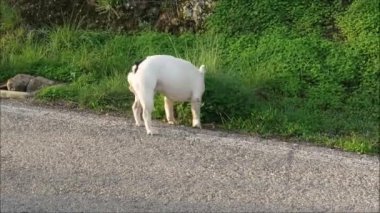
(136, 65)
(134, 68)
(202, 69)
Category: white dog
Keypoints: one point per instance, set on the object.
(175, 78)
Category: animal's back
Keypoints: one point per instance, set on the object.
(175, 76)
(171, 64)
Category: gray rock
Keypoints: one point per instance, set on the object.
(27, 83)
(38, 83)
(19, 82)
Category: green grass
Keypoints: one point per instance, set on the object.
(286, 79)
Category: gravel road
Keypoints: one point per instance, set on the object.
(58, 160)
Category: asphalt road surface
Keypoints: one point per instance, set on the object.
(58, 160)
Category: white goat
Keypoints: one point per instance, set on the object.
(175, 78)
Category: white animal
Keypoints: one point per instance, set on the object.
(175, 78)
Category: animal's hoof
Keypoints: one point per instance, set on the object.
(171, 122)
(138, 124)
(150, 132)
(197, 126)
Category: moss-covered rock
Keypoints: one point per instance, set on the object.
(118, 15)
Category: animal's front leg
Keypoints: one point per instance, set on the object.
(169, 110)
(137, 112)
(196, 112)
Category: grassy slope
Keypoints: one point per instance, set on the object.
(285, 76)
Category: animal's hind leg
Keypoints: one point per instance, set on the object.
(137, 111)
(146, 100)
(196, 112)
(169, 110)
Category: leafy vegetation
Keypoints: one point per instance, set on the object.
(301, 70)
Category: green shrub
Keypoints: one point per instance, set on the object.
(360, 19)
(237, 17)
(59, 93)
(360, 25)
(240, 17)
(225, 98)
(110, 94)
(9, 17)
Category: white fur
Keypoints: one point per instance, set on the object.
(175, 78)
